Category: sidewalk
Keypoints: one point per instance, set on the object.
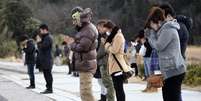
(66, 87)
(2, 98)
(10, 91)
(20, 68)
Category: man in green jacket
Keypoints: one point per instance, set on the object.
(102, 64)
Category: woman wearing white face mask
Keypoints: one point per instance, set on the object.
(108, 33)
(115, 46)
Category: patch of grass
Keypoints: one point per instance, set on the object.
(193, 55)
(193, 75)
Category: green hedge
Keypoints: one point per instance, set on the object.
(193, 75)
(7, 48)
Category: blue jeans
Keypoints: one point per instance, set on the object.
(30, 68)
(147, 64)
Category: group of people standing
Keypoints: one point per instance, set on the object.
(39, 55)
(107, 40)
(99, 51)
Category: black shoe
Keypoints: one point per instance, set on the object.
(103, 98)
(144, 79)
(47, 92)
(30, 87)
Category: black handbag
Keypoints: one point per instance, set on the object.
(126, 75)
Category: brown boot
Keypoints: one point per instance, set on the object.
(153, 89)
(150, 89)
(147, 89)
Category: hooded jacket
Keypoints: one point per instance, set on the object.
(167, 44)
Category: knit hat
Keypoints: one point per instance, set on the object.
(76, 9)
(86, 15)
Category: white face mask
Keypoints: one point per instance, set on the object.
(108, 33)
(134, 43)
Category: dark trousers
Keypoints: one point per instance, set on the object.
(30, 69)
(134, 66)
(172, 88)
(118, 86)
(48, 78)
(69, 67)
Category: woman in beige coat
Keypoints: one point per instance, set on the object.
(115, 45)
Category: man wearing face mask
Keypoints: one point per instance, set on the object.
(84, 48)
(102, 74)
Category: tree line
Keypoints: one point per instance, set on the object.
(23, 16)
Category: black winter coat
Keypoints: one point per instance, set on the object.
(184, 37)
(185, 26)
(30, 52)
(44, 56)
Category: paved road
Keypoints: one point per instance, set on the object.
(66, 87)
(2, 98)
(11, 91)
